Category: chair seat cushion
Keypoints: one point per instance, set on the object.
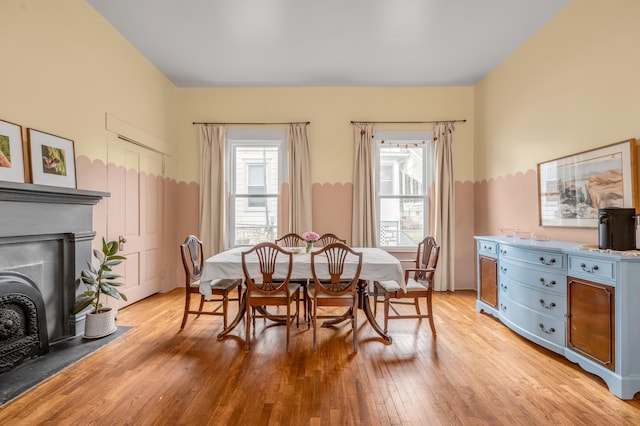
(312, 291)
(412, 285)
(224, 284)
(293, 287)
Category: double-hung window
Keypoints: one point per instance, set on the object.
(256, 169)
(404, 180)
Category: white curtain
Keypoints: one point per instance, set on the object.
(300, 200)
(364, 222)
(444, 207)
(212, 189)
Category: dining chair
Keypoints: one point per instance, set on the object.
(193, 259)
(265, 289)
(332, 287)
(291, 240)
(420, 285)
(327, 239)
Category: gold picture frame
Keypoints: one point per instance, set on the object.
(571, 189)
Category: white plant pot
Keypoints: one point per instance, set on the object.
(99, 325)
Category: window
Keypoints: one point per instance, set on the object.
(256, 161)
(404, 176)
(256, 184)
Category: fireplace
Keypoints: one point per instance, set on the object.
(23, 330)
(45, 241)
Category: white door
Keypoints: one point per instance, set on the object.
(135, 181)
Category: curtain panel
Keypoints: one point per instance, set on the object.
(212, 189)
(364, 220)
(300, 196)
(444, 207)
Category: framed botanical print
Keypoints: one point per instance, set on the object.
(11, 155)
(52, 159)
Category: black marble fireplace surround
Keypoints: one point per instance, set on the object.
(45, 242)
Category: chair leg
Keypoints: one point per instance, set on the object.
(386, 312)
(247, 322)
(354, 326)
(225, 304)
(314, 319)
(187, 304)
(430, 312)
(417, 305)
(298, 309)
(201, 304)
(288, 323)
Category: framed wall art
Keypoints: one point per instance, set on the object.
(11, 155)
(52, 159)
(571, 189)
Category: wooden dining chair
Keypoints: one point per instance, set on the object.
(291, 240)
(419, 282)
(193, 259)
(331, 287)
(327, 239)
(264, 289)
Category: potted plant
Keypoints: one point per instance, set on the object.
(100, 321)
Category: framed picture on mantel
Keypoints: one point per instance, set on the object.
(52, 159)
(11, 156)
(571, 189)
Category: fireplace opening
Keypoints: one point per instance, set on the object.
(23, 320)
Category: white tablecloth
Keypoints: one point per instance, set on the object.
(377, 265)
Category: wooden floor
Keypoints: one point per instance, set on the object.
(475, 372)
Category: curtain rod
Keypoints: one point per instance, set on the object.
(409, 122)
(288, 122)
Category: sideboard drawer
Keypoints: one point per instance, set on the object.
(595, 269)
(538, 278)
(487, 248)
(543, 326)
(540, 258)
(547, 303)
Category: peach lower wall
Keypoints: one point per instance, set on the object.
(332, 207)
(512, 202)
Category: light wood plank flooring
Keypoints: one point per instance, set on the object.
(476, 372)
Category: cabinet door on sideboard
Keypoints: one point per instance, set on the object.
(591, 320)
(489, 281)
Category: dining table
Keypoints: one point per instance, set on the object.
(377, 265)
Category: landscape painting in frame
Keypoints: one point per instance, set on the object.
(11, 158)
(52, 159)
(573, 188)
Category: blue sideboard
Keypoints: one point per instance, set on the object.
(575, 300)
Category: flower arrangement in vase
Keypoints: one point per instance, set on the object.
(310, 237)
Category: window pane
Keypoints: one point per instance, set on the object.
(256, 184)
(255, 166)
(401, 221)
(255, 224)
(401, 170)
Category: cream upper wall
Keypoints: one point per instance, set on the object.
(330, 111)
(65, 67)
(575, 85)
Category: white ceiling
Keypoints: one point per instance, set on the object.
(203, 43)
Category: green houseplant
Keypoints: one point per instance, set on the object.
(100, 280)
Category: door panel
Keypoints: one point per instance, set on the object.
(135, 216)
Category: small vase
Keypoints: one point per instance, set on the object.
(309, 246)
